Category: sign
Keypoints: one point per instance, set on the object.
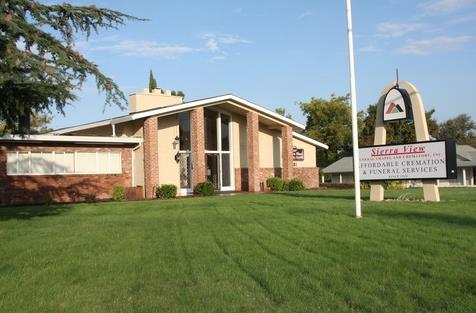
(397, 105)
(298, 154)
(420, 160)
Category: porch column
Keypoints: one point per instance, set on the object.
(287, 152)
(198, 146)
(252, 130)
(464, 176)
(151, 156)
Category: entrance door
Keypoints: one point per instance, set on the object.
(213, 169)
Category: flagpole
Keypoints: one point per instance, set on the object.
(353, 99)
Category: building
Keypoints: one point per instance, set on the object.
(341, 171)
(230, 141)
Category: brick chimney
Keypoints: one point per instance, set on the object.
(145, 100)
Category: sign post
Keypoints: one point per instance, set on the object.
(353, 99)
(394, 104)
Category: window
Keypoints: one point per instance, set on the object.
(50, 163)
(211, 130)
(184, 131)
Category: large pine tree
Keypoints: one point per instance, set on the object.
(39, 66)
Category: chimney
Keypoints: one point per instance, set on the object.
(158, 98)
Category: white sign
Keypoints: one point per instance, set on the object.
(394, 106)
(406, 161)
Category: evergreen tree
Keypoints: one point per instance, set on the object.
(152, 82)
(40, 69)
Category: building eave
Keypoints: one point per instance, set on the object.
(72, 139)
(310, 140)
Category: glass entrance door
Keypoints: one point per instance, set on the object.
(212, 169)
(218, 150)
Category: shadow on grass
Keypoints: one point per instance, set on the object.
(28, 212)
(314, 196)
(429, 216)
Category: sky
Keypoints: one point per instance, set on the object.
(279, 53)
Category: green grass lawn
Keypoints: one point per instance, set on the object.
(289, 252)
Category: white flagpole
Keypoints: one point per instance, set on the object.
(353, 99)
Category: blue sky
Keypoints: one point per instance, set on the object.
(277, 53)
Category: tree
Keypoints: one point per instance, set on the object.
(38, 125)
(152, 82)
(40, 69)
(461, 128)
(329, 121)
(282, 111)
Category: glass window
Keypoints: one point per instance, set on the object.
(23, 163)
(184, 130)
(115, 165)
(86, 162)
(185, 170)
(211, 130)
(225, 133)
(12, 163)
(225, 170)
(42, 163)
(64, 162)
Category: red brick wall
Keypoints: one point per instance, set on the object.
(287, 151)
(309, 175)
(29, 189)
(198, 146)
(252, 131)
(151, 156)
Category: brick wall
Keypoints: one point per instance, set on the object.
(29, 189)
(151, 156)
(252, 131)
(287, 151)
(309, 175)
(198, 145)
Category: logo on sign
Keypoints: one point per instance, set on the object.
(396, 103)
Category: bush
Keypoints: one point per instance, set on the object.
(295, 184)
(204, 189)
(166, 191)
(118, 193)
(275, 183)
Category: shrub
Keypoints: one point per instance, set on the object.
(204, 189)
(295, 184)
(118, 193)
(275, 183)
(166, 191)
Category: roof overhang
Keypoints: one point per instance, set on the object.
(70, 139)
(310, 140)
(234, 100)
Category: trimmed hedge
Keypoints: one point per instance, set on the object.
(166, 191)
(279, 184)
(118, 193)
(204, 189)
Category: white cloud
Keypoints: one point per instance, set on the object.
(426, 46)
(393, 30)
(142, 48)
(437, 7)
(304, 14)
(370, 49)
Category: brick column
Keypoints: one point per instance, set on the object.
(198, 145)
(252, 130)
(151, 156)
(287, 152)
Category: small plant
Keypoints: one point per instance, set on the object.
(118, 193)
(166, 191)
(204, 189)
(275, 183)
(295, 184)
(90, 198)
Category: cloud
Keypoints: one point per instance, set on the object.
(154, 49)
(304, 14)
(143, 48)
(426, 46)
(393, 30)
(370, 49)
(437, 7)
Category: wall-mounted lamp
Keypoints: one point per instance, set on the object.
(176, 140)
(177, 157)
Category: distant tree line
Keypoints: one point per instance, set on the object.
(329, 121)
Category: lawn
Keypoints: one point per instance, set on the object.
(288, 252)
